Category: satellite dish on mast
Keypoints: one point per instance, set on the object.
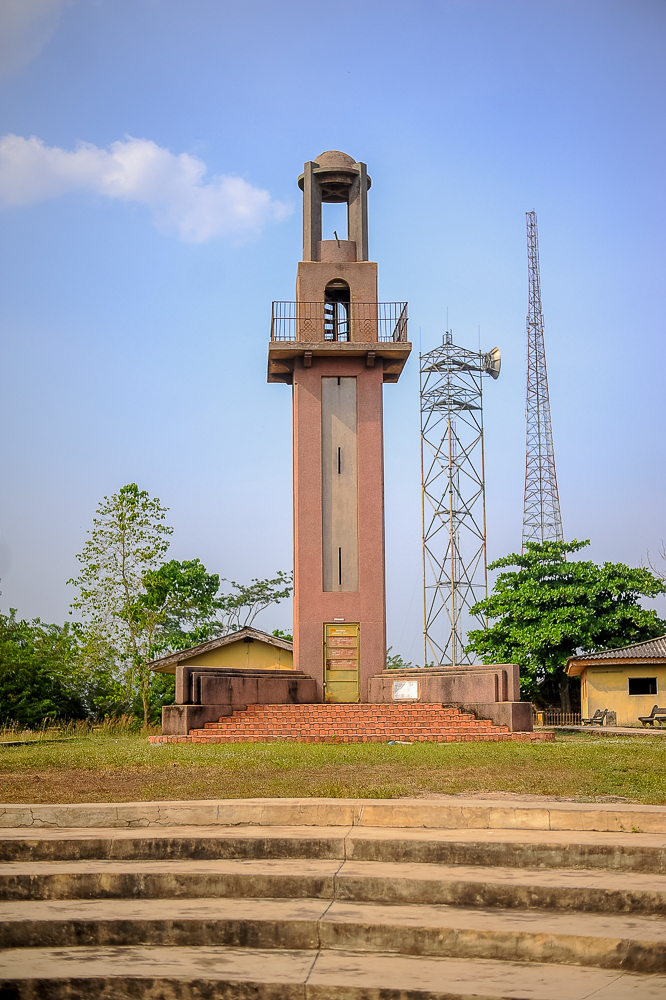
(492, 362)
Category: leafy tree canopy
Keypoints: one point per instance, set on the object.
(35, 672)
(183, 597)
(134, 607)
(242, 604)
(550, 608)
(192, 610)
(394, 661)
(127, 541)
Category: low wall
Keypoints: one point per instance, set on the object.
(205, 694)
(491, 691)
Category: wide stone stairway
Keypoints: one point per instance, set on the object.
(333, 900)
(352, 724)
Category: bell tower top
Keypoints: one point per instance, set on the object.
(335, 177)
(335, 315)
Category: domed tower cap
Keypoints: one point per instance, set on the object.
(333, 159)
(334, 164)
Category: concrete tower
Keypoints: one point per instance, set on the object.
(337, 345)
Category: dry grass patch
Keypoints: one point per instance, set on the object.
(98, 767)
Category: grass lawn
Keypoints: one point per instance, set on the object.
(126, 768)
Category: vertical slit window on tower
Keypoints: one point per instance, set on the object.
(340, 566)
(339, 461)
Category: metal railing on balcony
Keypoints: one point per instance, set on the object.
(362, 322)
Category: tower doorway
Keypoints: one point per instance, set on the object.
(341, 663)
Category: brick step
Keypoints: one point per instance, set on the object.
(346, 724)
(356, 706)
(263, 720)
(364, 738)
(435, 724)
(402, 733)
(350, 712)
(350, 723)
(339, 734)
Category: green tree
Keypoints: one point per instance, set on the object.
(394, 661)
(37, 672)
(135, 606)
(239, 608)
(551, 608)
(183, 595)
(191, 610)
(128, 539)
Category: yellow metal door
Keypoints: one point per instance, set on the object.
(341, 663)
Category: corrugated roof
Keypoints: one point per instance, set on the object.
(224, 640)
(651, 648)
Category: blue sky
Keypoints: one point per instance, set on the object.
(155, 215)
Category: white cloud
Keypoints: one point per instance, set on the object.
(25, 28)
(138, 170)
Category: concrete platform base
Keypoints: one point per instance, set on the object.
(208, 694)
(490, 691)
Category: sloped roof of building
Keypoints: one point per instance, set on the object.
(651, 649)
(223, 640)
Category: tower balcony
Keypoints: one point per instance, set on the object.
(341, 322)
(376, 330)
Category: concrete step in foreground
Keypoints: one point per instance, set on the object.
(574, 891)
(509, 848)
(351, 912)
(611, 941)
(237, 974)
(352, 724)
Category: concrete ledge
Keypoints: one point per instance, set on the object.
(516, 715)
(447, 814)
(177, 720)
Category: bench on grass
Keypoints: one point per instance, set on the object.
(656, 715)
(597, 719)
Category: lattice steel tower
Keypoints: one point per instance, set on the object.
(453, 493)
(542, 520)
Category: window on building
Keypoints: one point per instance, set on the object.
(642, 685)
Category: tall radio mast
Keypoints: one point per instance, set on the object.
(542, 520)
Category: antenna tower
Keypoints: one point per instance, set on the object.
(453, 495)
(542, 520)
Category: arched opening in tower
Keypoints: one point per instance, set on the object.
(337, 311)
